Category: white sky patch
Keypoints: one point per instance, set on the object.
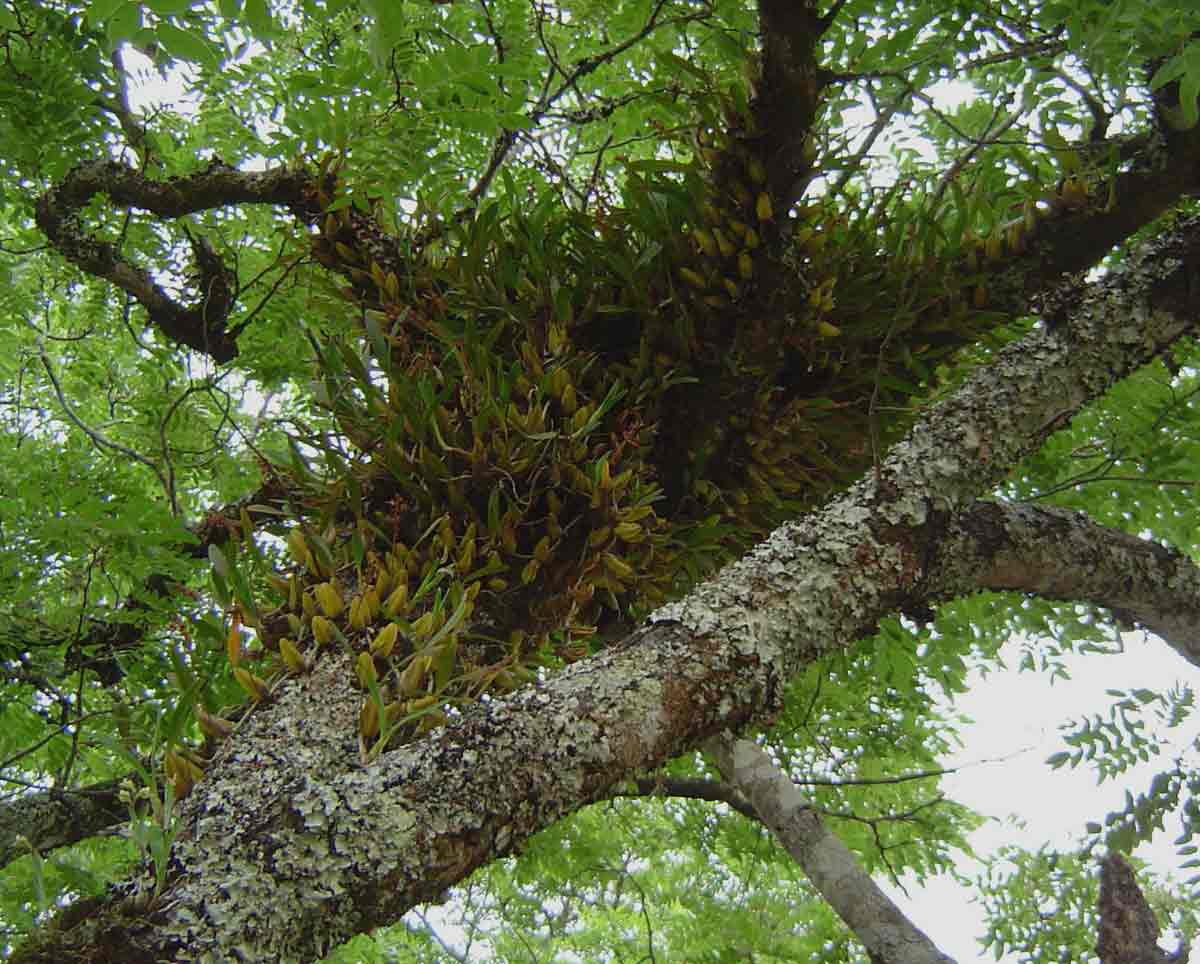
(151, 90)
(949, 95)
(1016, 722)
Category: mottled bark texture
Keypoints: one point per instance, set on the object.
(1059, 554)
(200, 325)
(290, 845)
(57, 818)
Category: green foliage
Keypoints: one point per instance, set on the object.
(1042, 906)
(501, 411)
(625, 879)
(1119, 741)
(32, 884)
(1126, 460)
(533, 381)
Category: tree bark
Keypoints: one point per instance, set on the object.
(58, 818)
(888, 936)
(1060, 554)
(1128, 928)
(290, 845)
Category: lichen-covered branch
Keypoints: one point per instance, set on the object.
(1064, 555)
(49, 819)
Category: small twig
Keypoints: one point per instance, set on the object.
(275, 286)
(550, 95)
(991, 134)
(692, 789)
(99, 440)
(882, 119)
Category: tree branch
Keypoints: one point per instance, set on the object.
(131, 126)
(694, 789)
(888, 936)
(1128, 928)
(58, 818)
(201, 325)
(1070, 234)
(789, 93)
(1063, 555)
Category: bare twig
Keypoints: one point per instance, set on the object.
(99, 439)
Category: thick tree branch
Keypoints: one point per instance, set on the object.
(888, 936)
(1072, 232)
(58, 818)
(290, 845)
(201, 325)
(1064, 555)
(789, 94)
